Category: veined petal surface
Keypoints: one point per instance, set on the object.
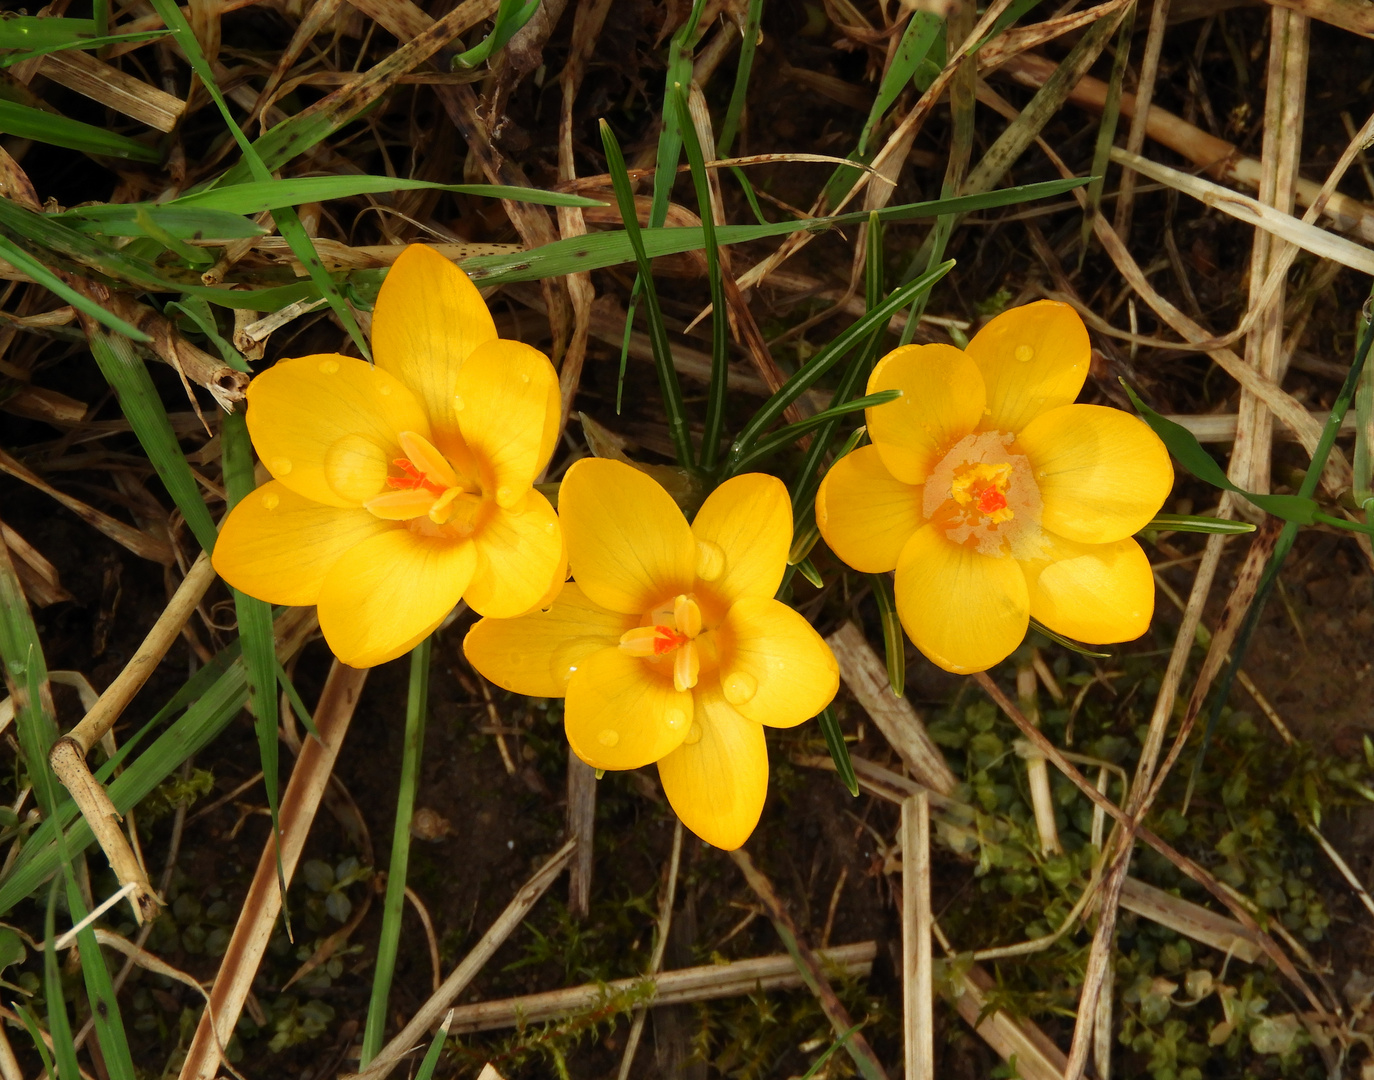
(717, 779)
(520, 557)
(326, 426)
(866, 514)
(621, 713)
(508, 407)
(629, 546)
(383, 595)
(774, 668)
(428, 319)
(1095, 593)
(746, 527)
(538, 653)
(964, 610)
(1033, 358)
(1103, 474)
(942, 401)
(278, 546)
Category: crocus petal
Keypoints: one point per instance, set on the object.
(1096, 593)
(774, 668)
(717, 779)
(964, 610)
(865, 513)
(622, 713)
(1033, 359)
(629, 546)
(1103, 474)
(510, 406)
(326, 426)
(428, 319)
(387, 593)
(278, 546)
(942, 401)
(520, 556)
(538, 653)
(743, 531)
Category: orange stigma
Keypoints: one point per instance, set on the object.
(990, 500)
(413, 479)
(666, 639)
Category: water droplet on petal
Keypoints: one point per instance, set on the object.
(329, 367)
(1024, 353)
(384, 389)
(458, 403)
(280, 466)
(739, 687)
(693, 735)
(503, 495)
(524, 378)
(675, 718)
(270, 500)
(551, 528)
(608, 737)
(710, 560)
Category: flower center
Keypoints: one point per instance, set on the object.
(429, 493)
(671, 631)
(983, 495)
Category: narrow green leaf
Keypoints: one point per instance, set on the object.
(183, 222)
(26, 122)
(417, 707)
(142, 407)
(808, 570)
(21, 260)
(894, 642)
(839, 752)
(748, 47)
(59, 1025)
(100, 992)
(431, 1059)
(256, 196)
(98, 42)
(1196, 524)
(511, 15)
(1068, 643)
(1106, 132)
(36, 1034)
(784, 437)
(198, 311)
(658, 335)
(38, 32)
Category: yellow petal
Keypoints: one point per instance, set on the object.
(942, 401)
(520, 557)
(629, 546)
(774, 668)
(538, 653)
(717, 779)
(387, 593)
(743, 531)
(429, 317)
(1033, 359)
(865, 513)
(1103, 474)
(278, 546)
(622, 712)
(964, 610)
(326, 426)
(509, 400)
(1096, 593)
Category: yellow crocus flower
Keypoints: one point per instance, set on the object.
(668, 644)
(995, 498)
(402, 487)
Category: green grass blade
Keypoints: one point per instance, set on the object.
(1196, 524)
(658, 335)
(417, 707)
(98, 42)
(36, 1034)
(824, 360)
(42, 234)
(183, 222)
(670, 134)
(297, 705)
(1068, 643)
(258, 195)
(510, 17)
(839, 752)
(784, 437)
(255, 630)
(26, 122)
(22, 260)
(431, 1060)
(894, 641)
(142, 407)
(36, 32)
(59, 1025)
(198, 311)
(109, 1024)
(748, 47)
(1106, 132)
(720, 343)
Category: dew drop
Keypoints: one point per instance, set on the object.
(740, 687)
(524, 378)
(551, 528)
(329, 367)
(384, 389)
(710, 560)
(270, 500)
(1024, 353)
(280, 466)
(608, 737)
(675, 718)
(458, 403)
(693, 735)
(503, 494)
